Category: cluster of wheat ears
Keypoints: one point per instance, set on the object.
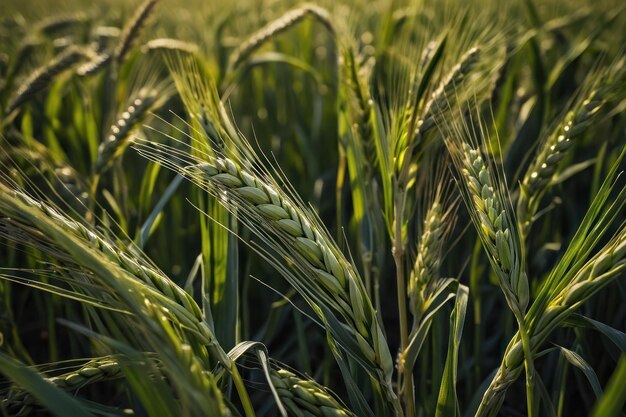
(391, 208)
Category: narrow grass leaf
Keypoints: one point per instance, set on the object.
(448, 403)
(57, 401)
(611, 404)
(579, 362)
(616, 336)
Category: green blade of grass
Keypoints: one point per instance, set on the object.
(57, 401)
(448, 403)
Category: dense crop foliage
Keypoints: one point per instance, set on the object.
(390, 208)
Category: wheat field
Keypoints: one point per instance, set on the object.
(399, 208)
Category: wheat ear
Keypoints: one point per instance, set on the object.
(495, 226)
(283, 23)
(552, 151)
(131, 31)
(135, 266)
(428, 261)
(440, 98)
(169, 44)
(491, 214)
(120, 131)
(113, 264)
(331, 271)
(20, 403)
(418, 123)
(305, 397)
(97, 63)
(43, 76)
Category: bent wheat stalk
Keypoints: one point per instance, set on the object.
(331, 271)
(139, 268)
(328, 272)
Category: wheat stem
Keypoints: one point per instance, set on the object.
(406, 379)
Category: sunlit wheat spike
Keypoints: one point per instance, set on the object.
(329, 269)
(418, 122)
(283, 23)
(93, 66)
(122, 268)
(119, 133)
(305, 397)
(491, 215)
(444, 93)
(428, 260)
(43, 76)
(604, 267)
(131, 31)
(169, 44)
(552, 151)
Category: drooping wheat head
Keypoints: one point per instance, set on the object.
(120, 132)
(305, 397)
(41, 78)
(94, 65)
(18, 402)
(276, 27)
